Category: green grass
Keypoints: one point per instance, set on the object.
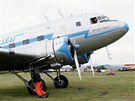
(120, 87)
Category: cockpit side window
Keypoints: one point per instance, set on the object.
(103, 18)
(93, 20)
(99, 18)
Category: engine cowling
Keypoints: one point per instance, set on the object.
(62, 50)
(84, 58)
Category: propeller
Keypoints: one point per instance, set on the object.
(77, 64)
(75, 47)
(90, 62)
(91, 65)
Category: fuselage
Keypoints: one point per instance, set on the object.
(89, 31)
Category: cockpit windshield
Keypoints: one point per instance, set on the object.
(103, 18)
(99, 19)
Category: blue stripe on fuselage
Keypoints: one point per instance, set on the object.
(49, 37)
(32, 40)
(86, 33)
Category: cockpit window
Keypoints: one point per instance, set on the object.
(93, 20)
(99, 18)
(103, 18)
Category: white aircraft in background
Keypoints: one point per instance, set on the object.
(51, 45)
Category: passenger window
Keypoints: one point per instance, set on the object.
(78, 23)
(25, 41)
(12, 45)
(93, 20)
(39, 38)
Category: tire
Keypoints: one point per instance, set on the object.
(63, 82)
(32, 84)
(44, 87)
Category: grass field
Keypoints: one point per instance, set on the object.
(120, 87)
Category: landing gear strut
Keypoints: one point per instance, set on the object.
(29, 84)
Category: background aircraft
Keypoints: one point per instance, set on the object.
(66, 41)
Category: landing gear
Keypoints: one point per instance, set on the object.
(32, 85)
(36, 78)
(61, 82)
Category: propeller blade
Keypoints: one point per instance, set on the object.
(77, 64)
(91, 65)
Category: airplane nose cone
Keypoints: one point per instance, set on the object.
(126, 27)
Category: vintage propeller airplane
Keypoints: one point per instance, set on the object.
(51, 45)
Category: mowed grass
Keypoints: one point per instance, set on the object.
(120, 87)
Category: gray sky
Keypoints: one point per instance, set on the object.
(18, 14)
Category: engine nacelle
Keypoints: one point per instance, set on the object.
(62, 50)
(84, 58)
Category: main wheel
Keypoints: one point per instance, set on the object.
(32, 85)
(61, 82)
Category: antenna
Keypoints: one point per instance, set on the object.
(60, 13)
(108, 54)
(46, 18)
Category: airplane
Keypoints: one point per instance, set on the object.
(65, 41)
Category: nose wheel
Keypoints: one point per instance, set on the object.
(61, 82)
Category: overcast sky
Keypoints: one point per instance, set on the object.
(18, 14)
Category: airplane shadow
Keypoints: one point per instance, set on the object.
(14, 92)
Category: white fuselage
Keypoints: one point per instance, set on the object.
(79, 29)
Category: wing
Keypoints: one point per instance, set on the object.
(14, 58)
